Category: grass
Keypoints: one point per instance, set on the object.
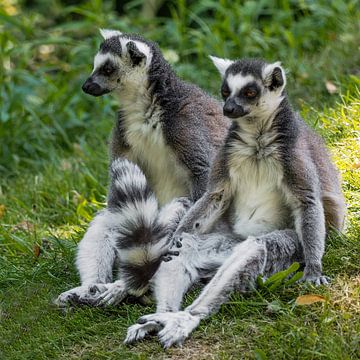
(53, 165)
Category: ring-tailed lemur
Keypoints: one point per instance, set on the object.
(274, 186)
(169, 128)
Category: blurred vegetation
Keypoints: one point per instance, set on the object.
(53, 167)
(47, 48)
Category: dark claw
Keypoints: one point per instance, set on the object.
(167, 258)
(74, 299)
(93, 290)
(178, 244)
(173, 253)
(142, 321)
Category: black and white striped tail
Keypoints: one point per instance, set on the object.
(143, 231)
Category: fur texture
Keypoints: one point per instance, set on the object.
(270, 186)
(171, 130)
(137, 237)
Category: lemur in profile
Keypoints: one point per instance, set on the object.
(171, 130)
(273, 194)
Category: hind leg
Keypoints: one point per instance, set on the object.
(263, 255)
(95, 260)
(170, 284)
(200, 256)
(134, 279)
(96, 252)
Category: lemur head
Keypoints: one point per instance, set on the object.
(251, 88)
(122, 58)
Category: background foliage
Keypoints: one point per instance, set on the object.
(53, 166)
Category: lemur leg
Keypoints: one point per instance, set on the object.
(200, 255)
(155, 248)
(129, 196)
(170, 284)
(95, 260)
(265, 255)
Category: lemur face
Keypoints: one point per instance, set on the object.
(250, 88)
(121, 60)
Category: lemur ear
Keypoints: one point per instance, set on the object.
(274, 76)
(107, 33)
(135, 54)
(221, 64)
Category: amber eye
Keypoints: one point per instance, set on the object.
(249, 93)
(225, 93)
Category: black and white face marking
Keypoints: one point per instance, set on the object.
(250, 88)
(103, 78)
(240, 94)
(119, 61)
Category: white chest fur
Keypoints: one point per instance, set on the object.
(256, 181)
(143, 132)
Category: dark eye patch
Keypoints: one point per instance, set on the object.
(225, 91)
(107, 68)
(250, 91)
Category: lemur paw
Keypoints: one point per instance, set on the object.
(138, 332)
(185, 201)
(176, 327)
(176, 241)
(81, 295)
(312, 274)
(113, 294)
(317, 280)
(169, 254)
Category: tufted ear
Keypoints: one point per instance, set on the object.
(107, 33)
(221, 64)
(135, 54)
(274, 76)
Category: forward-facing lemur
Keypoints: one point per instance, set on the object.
(169, 128)
(273, 185)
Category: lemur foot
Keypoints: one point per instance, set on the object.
(81, 295)
(138, 332)
(113, 294)
(317, 280)
(176, 327)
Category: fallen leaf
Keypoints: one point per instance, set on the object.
(309, 299)
(37, 250)
(330, 87)
(2, 210)
(354, 166)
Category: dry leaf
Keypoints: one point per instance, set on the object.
(330, 87)
(2, 210)
(37, 250)
(354, 166)
(309, 299)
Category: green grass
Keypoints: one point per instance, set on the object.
(53, 166)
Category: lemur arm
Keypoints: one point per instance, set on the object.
(187, 134)
(204, 213)
(118, 146)
(197, 157)
(304, 194)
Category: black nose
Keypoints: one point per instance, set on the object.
(93, 88)
(233, 110)
(228, 109)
